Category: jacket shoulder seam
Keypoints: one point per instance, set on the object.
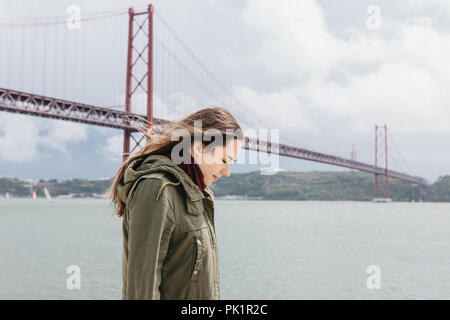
(147, 176)
(164, 185)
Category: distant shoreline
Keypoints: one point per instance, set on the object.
(284, 185)
(220, 199)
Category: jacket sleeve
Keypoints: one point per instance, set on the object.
(150, 225)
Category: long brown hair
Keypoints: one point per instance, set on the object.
(213, 117)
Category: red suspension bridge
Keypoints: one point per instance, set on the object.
(85, 60)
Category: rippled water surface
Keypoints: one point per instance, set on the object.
(268, 249)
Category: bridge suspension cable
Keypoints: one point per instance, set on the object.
(397, 150)
(36, 22)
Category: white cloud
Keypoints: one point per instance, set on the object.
(279, 106)
(113, 147)
(24, 138)
(60, 134)
(398, 74)
(425, 6)
(18, 141)
(293, 35)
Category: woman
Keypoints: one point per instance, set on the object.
(169, 240)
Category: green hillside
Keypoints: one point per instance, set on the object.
(314, 185)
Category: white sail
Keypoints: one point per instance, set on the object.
(47, 194)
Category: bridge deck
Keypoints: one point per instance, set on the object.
(37, 105)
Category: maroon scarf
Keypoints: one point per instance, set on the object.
(193, 171)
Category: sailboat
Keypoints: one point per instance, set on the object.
(47, 195)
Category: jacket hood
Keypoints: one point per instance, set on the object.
(158, 163)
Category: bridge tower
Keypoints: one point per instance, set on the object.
(381, 153)
(140, 53)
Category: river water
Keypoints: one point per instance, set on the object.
(267, 249)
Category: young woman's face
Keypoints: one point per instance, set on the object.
(217, 162)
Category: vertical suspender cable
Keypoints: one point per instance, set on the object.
(44, 65)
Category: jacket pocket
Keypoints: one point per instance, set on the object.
(198, 254)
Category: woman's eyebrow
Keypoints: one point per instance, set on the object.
(230, 158)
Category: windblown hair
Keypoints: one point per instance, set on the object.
(161, 140)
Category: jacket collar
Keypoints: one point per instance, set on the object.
(160, 163)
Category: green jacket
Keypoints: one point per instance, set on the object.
(169, 240)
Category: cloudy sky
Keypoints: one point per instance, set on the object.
(323, 72)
